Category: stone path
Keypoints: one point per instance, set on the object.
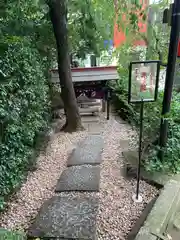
(88, 152)
(92, 124)
(61, 217)
(116, 214)
(74, 217)
(79, 178)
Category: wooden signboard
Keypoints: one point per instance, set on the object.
(143, 81)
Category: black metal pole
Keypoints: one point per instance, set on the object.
(140, 147)
(108, 103)
(173, 46)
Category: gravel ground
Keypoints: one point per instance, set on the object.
(117, 212)
(40, 184)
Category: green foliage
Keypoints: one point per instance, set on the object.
(24, 100)
(171, 162)
(2, 203)
(88, 26)
(158, 34)
(23, 108)
(9, 235)
(157, 40)
(152, 111)
(92, 22)
(126, 110)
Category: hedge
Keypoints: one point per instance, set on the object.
(24, 109)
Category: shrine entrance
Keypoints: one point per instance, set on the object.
(91, 85)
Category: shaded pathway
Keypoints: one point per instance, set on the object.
(117, 213)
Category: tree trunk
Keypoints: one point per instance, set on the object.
(58, 14)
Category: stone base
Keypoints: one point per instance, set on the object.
(137, 200)
(90, 110)
(157, 179)
(91, 103)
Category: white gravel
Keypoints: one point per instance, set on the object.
(40, 185)
(117, 212)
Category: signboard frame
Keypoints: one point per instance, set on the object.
(142, 84)
(156, 81)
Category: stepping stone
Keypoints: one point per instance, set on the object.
(90, 119)
(95, 128)
(79, 178)
(124, 144)
(88, 151)
(66, 218)
(131, 157)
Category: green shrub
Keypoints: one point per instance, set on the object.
(120, 99)
(171, 161)
(9, 235)
(24, 108)
(152, 117)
